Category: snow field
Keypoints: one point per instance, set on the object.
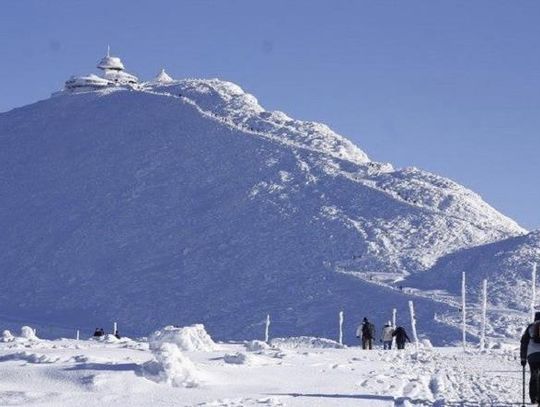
(307, 373)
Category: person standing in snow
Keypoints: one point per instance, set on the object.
(367, 332)
(401, 337)
(530, 352)
(387, 336)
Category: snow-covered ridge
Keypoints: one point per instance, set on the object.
(228, 101)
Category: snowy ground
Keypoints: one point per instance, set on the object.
(298, 373)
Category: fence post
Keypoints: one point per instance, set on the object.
(413, 324)
(341, 327)
(484, 315)
(267, 329)
(533, 291)
(463, 312)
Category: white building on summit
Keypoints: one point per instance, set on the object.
(113, 75)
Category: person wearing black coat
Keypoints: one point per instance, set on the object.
(367, 332)
(530, 352)
(401, 336)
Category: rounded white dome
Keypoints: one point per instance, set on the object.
(108, 62)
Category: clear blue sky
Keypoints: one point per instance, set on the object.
(449, 86)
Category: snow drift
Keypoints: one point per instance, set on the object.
(305, 342)
(188, 338)
(170, 366)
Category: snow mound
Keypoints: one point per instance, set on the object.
(30, 357)
(305, 342)
(237, 358)
(109, 338)
(256, 346)
(170, 366)
(28, 333)
(426, 343)
(7, 336)
(188, 338)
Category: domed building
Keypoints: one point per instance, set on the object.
(113, 70)
(114, 74)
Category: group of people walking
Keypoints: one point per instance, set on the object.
(367, 333)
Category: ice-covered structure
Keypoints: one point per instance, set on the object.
(114, 74)
(163, 77)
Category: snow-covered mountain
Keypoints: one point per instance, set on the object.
(186, 201)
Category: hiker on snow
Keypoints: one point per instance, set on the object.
(387, 336)
(367, 331)
(401, 337)
(530, 352)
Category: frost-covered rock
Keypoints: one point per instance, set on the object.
(237, 358)
(305, 342)
(256, 346)
(109, 338)
(28, 333)
(170, 366)
(426, 343)
(7, 336)
(188, 338)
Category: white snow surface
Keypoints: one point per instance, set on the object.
(304, 342)
(188, 201)
(188, 338)
(74, 373)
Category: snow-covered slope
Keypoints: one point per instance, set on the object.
(188, 202)
(506, 264)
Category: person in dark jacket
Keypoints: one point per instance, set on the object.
(401, 336)
(367, 332)
(530, 352)
(98, 333)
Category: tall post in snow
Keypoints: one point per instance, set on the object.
(533, 291)
(484, 315)
(341, 327)
(394, 314)
(115, 328)
(78, 335)
(413, 324)
(267, 329)
(463, 311)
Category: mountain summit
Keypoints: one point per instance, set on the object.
(182, 201)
